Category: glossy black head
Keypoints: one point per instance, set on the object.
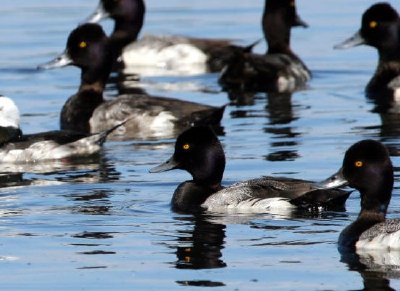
(380, 26)
(86, 45)
(367, 167)
(198, 151)
(278, 19)
(124, 9)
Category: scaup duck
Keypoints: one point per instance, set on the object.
(367, 167)
(279, 69)
(148, 116)
(380, 28)
(176, 54)
(199, 152)
(16, 147)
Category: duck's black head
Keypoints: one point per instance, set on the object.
(367, 167)
(198, 151)
(87, 45)
(278, 18)
(380, 28)
(124, 10)
(87, 48)
(128, 16)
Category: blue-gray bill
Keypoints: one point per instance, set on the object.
(334, 181)
(166, 166)
(353, 41)
(98, 15)
(61, 60)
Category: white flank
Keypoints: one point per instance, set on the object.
(9, 113)
(277, 205)
(163, 123)
(385, 241)
(50, 150)
(174, 59)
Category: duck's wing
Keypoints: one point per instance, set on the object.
(384, 235)
(151, 114)
(283, 192)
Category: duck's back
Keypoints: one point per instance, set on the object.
(152, 116)
(266, 193)
(384, 235)
(268, 73)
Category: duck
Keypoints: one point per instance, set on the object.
(279, 70)
(380, 29)
(17, 148)
(148, 117)
(367, 167)
(199, 152)
(168, 54)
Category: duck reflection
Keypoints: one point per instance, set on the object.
(375, 267)
(200, 247)
(280, 113)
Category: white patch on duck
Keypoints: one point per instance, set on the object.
(141, 124)
(9, 113)
(240, 199)
(382, 236)
(50, 150)
(174, 56)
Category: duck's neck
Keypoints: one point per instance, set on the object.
(78, 109)
(276, 30)
(351, 234)
(375, 198)
(128, 26)
(124, 33)
(189, 196)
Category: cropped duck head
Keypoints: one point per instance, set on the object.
(199, 152)
(367, 167)
(278, 18)
(128, 16)
(119, 9)
(86, 48)
(380, 28)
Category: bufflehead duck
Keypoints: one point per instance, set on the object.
(380, 28)
(198, 151)
(367, 167)
(148, 116)
(174, 54)
(16, 147)
(280, 69)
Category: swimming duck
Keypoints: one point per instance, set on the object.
(16, 147)
(183, 55)
(367, 167)
(279, 69)
(380, 28)
(199, 152)
(148, 116)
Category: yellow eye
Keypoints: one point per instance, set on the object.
(186, 146)
(82, 44)
(358, 164)
(373, 24)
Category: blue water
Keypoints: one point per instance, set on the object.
(106, 223)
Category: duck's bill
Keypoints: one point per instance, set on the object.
(353, 41)
(300, 22)
(334, 181)
(168, 165)
(98, 15)
(60, 61)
